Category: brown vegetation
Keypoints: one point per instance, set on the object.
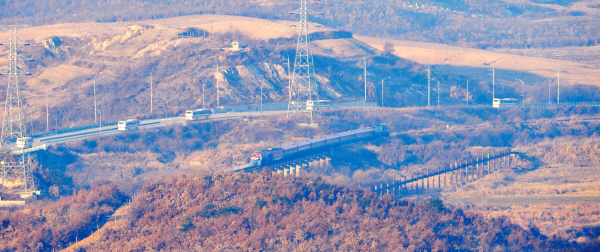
(243, 211)
(49, 226)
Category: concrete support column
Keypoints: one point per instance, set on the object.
(427, 178)
(439, 179)
(286, 172)
(298, 168)
(387, 188)
(291, 170)
(445, 185)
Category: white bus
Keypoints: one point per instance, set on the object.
(505, 102)
(131, 124)
(201, 114)
(24, 142)
(318, 105)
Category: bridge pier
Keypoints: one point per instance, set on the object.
(286, 172)
(488, 163)
(439, 178)
(427, 178)
(494, 161)
(476, 166)
(298, 167)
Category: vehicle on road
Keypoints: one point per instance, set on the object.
(318, 105)
(24, 142)
(505, 102)
(198, 114)
(130, 124)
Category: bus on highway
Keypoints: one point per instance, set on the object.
(197, 114)
(505, 102)
(24, 142)
(131, 124)
(318, 105)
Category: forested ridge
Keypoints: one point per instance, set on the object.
(242, 211)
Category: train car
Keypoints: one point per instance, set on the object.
(256, 158)
(266, 156)
(382, 129)
(347, 135)
(360, 133)
(287, 150)
(331, 139)
(317, 142)
(303, 146)
(276, 153)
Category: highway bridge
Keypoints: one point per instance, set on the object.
(285, 167)
(42, 140)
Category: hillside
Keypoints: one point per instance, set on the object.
(261, 211)
(467, 23)
(182, 54)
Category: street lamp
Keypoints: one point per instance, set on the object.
(100, 111)
(438, 91)
(31, 119)
(523, 83)
(167, 107)
(382, 89)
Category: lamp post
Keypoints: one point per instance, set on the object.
(523, 84)
(467, 98)
(166, 108)
(100, 111)
(382, 89)
(438, 91)
(31, 119)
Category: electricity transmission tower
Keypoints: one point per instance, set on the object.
(13, 126)
(303, 87)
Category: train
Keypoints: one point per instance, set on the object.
(264, 157)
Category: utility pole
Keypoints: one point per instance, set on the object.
(365, 65)
(203, 94)
(549, 102)
(261, 97)
(429, 86)
(95, 120)
(152, 94)
(558, 94)
(493, 83)
(101, 120)
(47, 114)
(467, 93)
(217, 77)
(382, 92)
(523, 95)
(382, 89)
(438, 91)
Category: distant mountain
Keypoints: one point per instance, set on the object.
(482, 24)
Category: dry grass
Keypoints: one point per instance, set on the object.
(555, 197)
(437, 54)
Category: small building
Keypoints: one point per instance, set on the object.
(236, 46)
